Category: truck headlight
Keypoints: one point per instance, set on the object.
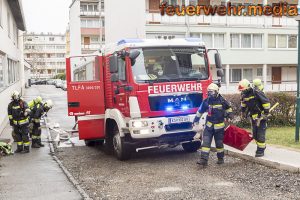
(139, 124)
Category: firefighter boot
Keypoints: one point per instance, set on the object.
(202, 162)
(259, 152)
(19, 149)
(39, 142)
(26, 149)
(35, 144)
(220, 161)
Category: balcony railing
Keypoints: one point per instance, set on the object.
(289, 86)
(91, 46)
(262, 21)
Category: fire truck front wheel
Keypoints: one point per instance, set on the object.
(191, 147)
(121, 150)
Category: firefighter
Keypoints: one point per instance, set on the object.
(255, 103)
(218, 109)
(257, 84)
(18, 114)
(36, 113)
(31, 105)
(47, 106)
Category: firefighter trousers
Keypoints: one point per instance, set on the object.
(36, 133)
(208, 134)
(21, 133)
(259, 134)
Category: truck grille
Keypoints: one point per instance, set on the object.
(162, 103)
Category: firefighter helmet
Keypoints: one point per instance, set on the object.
(257, 83)
(15, 95)
(213, 90)
(244, 85)
(48, 104)
(38, 99)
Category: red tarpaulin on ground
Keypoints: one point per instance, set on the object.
(236, 137)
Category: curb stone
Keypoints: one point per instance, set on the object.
(264, 162)
(64, 169)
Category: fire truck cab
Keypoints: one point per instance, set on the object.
(140, 94)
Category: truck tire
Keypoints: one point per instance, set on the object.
(191, 146)
(121, 151)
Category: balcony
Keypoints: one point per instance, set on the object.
(90, 13)
(255, 21)
(90, 47)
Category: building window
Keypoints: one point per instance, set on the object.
(2, 80)
(51, 39)
(259, 72)
(247, 74)
(236, 75)
(272, 41)
(0, 15)
(13, 71)
(292, 41)
(60, 55)
(8, 24)
(246, 41)
(257, 41)
(94, 39)
(207, 39)
(235, 41)
(282, 41)
(211, 40)
(219, 41)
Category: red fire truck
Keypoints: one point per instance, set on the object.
(140, 94)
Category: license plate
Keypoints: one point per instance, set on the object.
(175, 120)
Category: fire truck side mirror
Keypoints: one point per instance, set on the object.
(113, 64)
(133, 55)
(220, 73)
(114, 77)
(218, 61)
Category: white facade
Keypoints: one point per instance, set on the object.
(87, 31)
(46, 53)
(11, 54)
(125, 24)
(251, 47)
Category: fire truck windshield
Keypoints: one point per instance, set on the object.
(170, 64)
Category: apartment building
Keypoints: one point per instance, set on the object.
(12, 25)
(251, 46)
(86, 26)
(46, 53)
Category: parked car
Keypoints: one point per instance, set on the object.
(64, 85)
(50, 82)
(58, 83)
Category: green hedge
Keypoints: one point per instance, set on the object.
(60, 76)
(283, 115)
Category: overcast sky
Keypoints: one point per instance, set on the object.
(46, 15)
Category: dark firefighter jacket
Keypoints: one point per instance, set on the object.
(36, 112)
(217, 110)
(16, 112)
(255, 102)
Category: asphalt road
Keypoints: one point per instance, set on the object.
(167, 173)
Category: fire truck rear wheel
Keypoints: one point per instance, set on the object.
(191, 146)
(121, 151)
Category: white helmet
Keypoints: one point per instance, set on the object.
(213, 87)
(213, 90)
(15, 95)
(49, 104)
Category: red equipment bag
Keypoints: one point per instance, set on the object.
(236, 137)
